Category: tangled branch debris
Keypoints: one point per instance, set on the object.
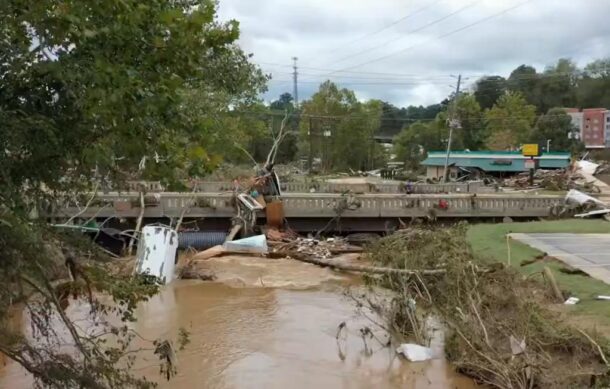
(483, 312)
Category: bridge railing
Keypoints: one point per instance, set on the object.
(390, 187)
(440, 205)
(308, 205)
(381, 187)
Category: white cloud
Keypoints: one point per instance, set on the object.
(322, 32)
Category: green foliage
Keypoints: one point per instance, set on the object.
(92, 91)
(412, 144)
(472, 132)
(509, 122)
(488, 90)
(594, 86)
(559, 85)
(339, 129)
(101, 357)
(524, 80)
(555, 126)
(94, 98)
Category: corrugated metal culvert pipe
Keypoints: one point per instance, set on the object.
(201, 240)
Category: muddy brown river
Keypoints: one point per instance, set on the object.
(259, 336)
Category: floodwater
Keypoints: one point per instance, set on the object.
(269, 337)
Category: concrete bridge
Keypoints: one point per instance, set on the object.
(384, 186)
(320, 205)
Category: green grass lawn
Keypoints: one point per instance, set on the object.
(488, 242)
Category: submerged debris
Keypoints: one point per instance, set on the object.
(415, 352)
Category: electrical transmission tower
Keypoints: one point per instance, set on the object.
(295, 77)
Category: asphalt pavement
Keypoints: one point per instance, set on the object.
(587, 252)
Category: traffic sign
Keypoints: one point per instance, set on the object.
(530, 150)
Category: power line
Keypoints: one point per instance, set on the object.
(401, 76)
(351, 72)
(389, 78)
(479, 21)
(443, 78)
(439, 82)
(430, 24)
(418, 11)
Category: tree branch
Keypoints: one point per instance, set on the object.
(86, 205)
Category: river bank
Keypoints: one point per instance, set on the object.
(503, 329)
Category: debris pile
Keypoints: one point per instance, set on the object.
(500, 327)
(580, 176)
(553, 180)
(317, 248)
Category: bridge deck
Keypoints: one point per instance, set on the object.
(321, 205)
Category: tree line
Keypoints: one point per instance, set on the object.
(339, 131)
(503, 113)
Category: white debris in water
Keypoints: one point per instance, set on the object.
(156, 254)
(415, 352)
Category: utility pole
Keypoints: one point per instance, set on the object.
(295, 77)
(310, 157)
(452, 124)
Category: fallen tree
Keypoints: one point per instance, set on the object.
(351, 267)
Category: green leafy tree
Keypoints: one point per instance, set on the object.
(284, 103)
(557, 86)
(413, 143)
(353, 144)
(524, 80)
(471, 133)
(509, 122)
(556, 126)
(339, 129)
(91, 90)
(424, 113)
(594, 85)
(393, 119)
(488, 89)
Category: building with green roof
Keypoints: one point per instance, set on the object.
(490, 162)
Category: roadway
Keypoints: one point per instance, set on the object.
(587, 252)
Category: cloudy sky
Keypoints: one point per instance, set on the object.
(406, 51)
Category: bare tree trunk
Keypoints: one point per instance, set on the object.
(138, 224)
(186, 207)
(362, 268)
(93, 195)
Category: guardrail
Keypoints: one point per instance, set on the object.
(322, 205)
(382, 187)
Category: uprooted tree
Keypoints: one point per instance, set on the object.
(91, 91)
